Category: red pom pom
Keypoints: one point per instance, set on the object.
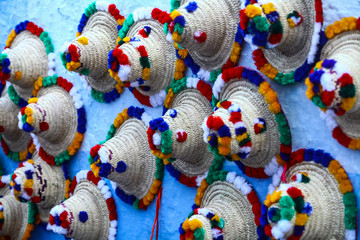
(339, 135)
(22, 111)
(111, 8)
(142, 49)
(44, 126)
(113, 216)
(327, 97)
(117, 52)
(285, 148)
(205, 89)
(275, 38)
(256, 208)
(39, 31)
(225, 104)
(171, 27)
(346, 79)
(200, 36)
(123, 59)
(252, 197)
(72, 49)
(90, 175)
(4, 146)
(189, 235)
(235, 117)
(29, 191)
(267, 229)
(217, 122)
(36, 199)
(181, 136)
(244, 20)
(155, 13)
(94, 150)
(65, 224)
(358, 23)
(63, 216)
(294, 192)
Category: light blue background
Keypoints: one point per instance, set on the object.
(60, 18)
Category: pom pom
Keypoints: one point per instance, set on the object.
(83, 216)
(44, 126)
(200, 36)
(191, 7)
(121, 167)
(181, 135)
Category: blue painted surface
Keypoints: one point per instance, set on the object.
(60, 19)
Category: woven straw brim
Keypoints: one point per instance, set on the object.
(49, 183)
(219, 20)
(345, 48)
(322, 192)
(27, 54)
(231, 205)
(265, 145)
(130, 145)
(161, 57)
(87, 197)
(193, 157)
(61, 115)
(101, 32)
(16, 139)
(294, 47)
(15, 217)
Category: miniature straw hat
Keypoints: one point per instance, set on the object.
(207, 29)
(286, 35)
(16, 219)
(14, 141)
(90, 212)
(28, 55)
(144, 59)
(225, 208)
(87, 54)
(176, 137)
(125, 158)
(316, 202)
(334, 83)
(55, 116)
(248, 125)
(40, 183)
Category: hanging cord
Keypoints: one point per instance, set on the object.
(156, 221)
(283, 178)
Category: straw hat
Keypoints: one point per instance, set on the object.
(285, 36)
(176, 136)
(38, 182)
(126, 159)
(225, 208)
(90, 212)
(334, 83)
(55, 116)
(207, 29)
(248, 125)
(316, 201)
(28, 55)
(87, 54)
(15, 143)
(143, 59)
(16, 219)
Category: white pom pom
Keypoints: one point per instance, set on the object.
(276, 232)
(113, 223)
(205, 129)
(105, 189)
(156, 139)
(100, 184)
(200, 178)
(124, 72)
(112, 231)
(284, 226)
(158, 99)
(81, 175)
(103, 154)
(314, 43)
(169, 38)
(350, 234)
(230, 177)
(107, 195)
(218, 85)
(204, 75)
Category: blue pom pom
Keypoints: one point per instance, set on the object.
(163, 126)
(194, 206)
(57, 220)
(173, 172)
(180, 20)
(173, 113)
(121, 167)
(68, 57)
(328, 63)
(22, 102)
(326, 159)
(263, 221)
(213, 141)
(6, 63)
(29, 174)
(240, 131)
(298, 230)
(308, 154)
(27, 127)
(260, 231)
(119, 27)
(273, 16)
(83, 216)
(315, 76)
(17, 187)
(105, 169)
(285, 156)
(224, 131)
(191, 7)
(301, 73)
(181, 230)
(318, 155)
(6, 70)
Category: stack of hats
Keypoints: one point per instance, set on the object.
(37, 182)
(248, 125)
(90, 212)
(316, 200)
(334, 83)
(56, 119)
(126, 159)
(210, 31)
(226, 207)
(176, 137)
(87, 54)
(285, 36)
(28, 55)
(143, 58)
(16, 219)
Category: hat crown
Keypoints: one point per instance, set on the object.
(13, 214)
(8, 116)
(24, 70)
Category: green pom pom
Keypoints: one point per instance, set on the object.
(166, 142)
(144, 62)
(98, 96)
(90, 159)
(348, 91)
(350, 217)
(318, 102)
(166, 28)
(299, 204)
(2, 57)
(349, 199)
(175, 4)
(85, 72)
(199, 234)
(159, 173)
(63, 59)
(178, 28)
(285, 135)
(214, 75)
(190, 214)
(136, 204)
(261, 24)
(287, 213)
(286, 202)
(277, 28)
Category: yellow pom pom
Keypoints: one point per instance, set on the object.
(241, 137)
(275, 107)
(291, 23)
(32, 100)
(30, 120)
(118, 39)
(71, 150)
(157, 183)
(309, 91)
(264, 87)
(18, 75)
(216, 218)
(252, 11)
(334, 166)
(267, 201)
(119, 87)
(83, 40)
(195, 224)
(28, 183)
(329, 32)
(146, 74)
(180, 65)
(75, 65)
(275, 197)
(23, 155)
(224, 150)
(78, 34)
(235, 157)
(178, 75)
(224, 141)
(270, 96)
(301, 219)
(347, 103)
(28, 111)
(186, 225)
(121, 21)
(268, 8)
(95, 169)
(126, 39)
(319, 64)
(183, 53)
(174, 14)
(30, 161)
(176, 37)
(79, 137)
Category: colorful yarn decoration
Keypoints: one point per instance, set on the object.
(15, 183)
(181, 135)
(33, 219)
(329, 87)
(240, 184)
(118, 63)
(265, 32)
(347, 94)
(15, 98)
(294, 19)
(274, 106)
(193, 229)
(70, 58)
(102, 168)
(327, 161)
(25, 118)
(1, 216)
(39, 32)
(165, 153)
(18, 156)
(174, 30)
(300, 73)
(259, 126)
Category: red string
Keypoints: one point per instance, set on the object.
(283, 178)
(156, 221)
